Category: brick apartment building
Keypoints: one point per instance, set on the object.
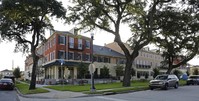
(62, 52)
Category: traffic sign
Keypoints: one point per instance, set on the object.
(92, 68)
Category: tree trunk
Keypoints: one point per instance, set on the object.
(127, 74)
(169, 70)
(33, 77)
(170, 65)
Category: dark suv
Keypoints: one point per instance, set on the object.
(193, 79)
(164, 81)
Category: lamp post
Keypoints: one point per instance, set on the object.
(92, 67)
(62, 71)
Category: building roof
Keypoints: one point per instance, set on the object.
(101, 50)
(6, 70)
(117, 48)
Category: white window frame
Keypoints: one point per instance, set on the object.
(71, 42)
(72, 56)
(79, 43)
(64, 39)
(89, 45)
(63, 52)
(88, 56)
(80, 54)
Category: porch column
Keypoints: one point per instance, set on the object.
(56, 72)
(66, 72)
(75, 72)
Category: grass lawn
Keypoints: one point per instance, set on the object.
(24, 89)
(78, 88)
(81, 88)
(112, 87)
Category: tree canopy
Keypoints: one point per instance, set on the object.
(177, 35)
(17, 72)
(21, 19)
(110, 15)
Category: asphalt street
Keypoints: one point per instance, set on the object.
(7, 95)
(185, 93)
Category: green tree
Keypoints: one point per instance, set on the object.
(133, 72)
(82, 70)
(119, 71)
(22, 18)
(155, 72)
(146, 75)
(195, 71)
(110, 15)
(177, 73)
(138, 75)
(17, 72)
(104, 72)
(178, 36)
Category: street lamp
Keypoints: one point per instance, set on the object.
(92, 67)
(62, 71)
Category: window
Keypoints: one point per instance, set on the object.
(106, 60)
(94, 58)
(88, 44)
(79, 56)
(47, 45)
(52, 55)
(71, 55)
(54, 40)
(71, 42)
(45, 59)
(99, 59)
(51, 43)
(79, 43)
(61, 39)
(87, 57)
(61, 54)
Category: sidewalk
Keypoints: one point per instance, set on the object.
(53, 95)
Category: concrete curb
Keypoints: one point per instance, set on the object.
(43, 97)
(27, 96)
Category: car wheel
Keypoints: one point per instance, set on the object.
(176, 86)
(166, 86)
(151, 88)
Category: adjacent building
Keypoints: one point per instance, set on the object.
(106, 57)
(28, 67)
(144, 63)
(194, 70)
(6, 72)
(62, 52)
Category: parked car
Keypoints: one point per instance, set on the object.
(193, 79)
(164, 81)
(6, 83)
(10, 77)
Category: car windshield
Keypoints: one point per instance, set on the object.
(5, 80)
(161, 77)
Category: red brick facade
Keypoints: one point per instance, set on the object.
(50, 49)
